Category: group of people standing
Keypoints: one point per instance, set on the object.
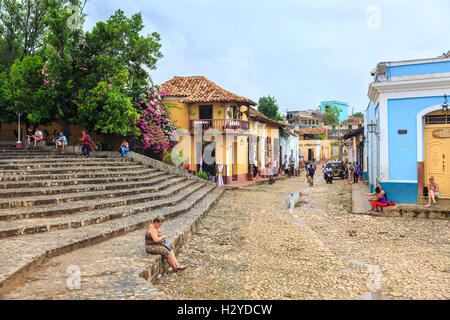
(354, 170)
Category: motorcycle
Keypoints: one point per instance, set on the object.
(329, 177)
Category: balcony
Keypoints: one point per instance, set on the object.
(220, 124)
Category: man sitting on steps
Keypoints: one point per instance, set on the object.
(61, 141)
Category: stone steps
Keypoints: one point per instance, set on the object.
(71, 175)
(59, 209)
(95, 192)
(65, 165)
(116, 269)
(80, 168)
(64, 160)
(32, 153)
(20, 254)
(150, 180)
(45, 156)
(51, 204)
(78, 220)
(75, 181)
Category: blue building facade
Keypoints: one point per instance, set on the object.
(406, 128)
(343, 106)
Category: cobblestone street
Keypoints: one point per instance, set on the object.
(251, 247)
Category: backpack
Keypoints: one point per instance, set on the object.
(89, 139)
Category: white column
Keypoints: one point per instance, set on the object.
(263, 147)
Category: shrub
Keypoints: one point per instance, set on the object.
(202, 175)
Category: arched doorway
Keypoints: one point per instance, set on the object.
(436, 148)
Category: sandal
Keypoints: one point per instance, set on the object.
(180, 269)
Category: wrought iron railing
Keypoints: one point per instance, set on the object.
(220, 124)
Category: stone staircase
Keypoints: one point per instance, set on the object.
(52, 204)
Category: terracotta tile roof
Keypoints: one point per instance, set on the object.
(302, 131)
(201, 90)
(255, 114)
(353, 120)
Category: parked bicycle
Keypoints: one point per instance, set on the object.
(95, 146)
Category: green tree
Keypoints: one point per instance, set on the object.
(359, 115)
(107, 109)
(269, 107)
(22, 28)
(22, 31)
(24, 92)
(118, 43)
(332, 115)
(81, 68)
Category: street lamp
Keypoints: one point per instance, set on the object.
(19, 142)
(373, 128)
(445, 105)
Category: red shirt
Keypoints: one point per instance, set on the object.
(84, 139)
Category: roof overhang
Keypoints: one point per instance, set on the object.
(410, 83)
(352, 134)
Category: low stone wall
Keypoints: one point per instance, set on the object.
(415, 211)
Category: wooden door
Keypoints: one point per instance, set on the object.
(437, 159)
(310, 154)
(235, 161)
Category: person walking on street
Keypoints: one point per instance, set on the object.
(86, 141)
(310, 173)
(350, 170)
(356, 173)
(292, 164)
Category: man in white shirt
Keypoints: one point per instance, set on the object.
(38, 136)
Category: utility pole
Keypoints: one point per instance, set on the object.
(339, 140)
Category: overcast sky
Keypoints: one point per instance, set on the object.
(300, 51)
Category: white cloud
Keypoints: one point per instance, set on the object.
(300, 51)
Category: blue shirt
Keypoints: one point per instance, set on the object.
(63, 139)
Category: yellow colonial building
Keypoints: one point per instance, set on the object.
(314, 144)
(219, 132)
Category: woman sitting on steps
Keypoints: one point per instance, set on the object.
(155, 243)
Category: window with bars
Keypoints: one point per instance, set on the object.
(438, 119)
